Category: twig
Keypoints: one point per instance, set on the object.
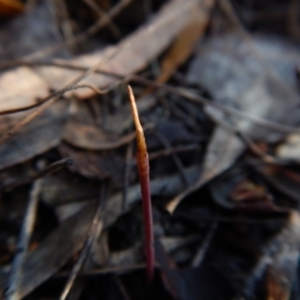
(24, 239)
(265, 157)
(80, 37)
(50, 100)
(122, 288)
(93, 233)
(185, 93)
(174, 156)
(143, 168)
(57, 93)
(204, 246)
(231, 110)
(166, 152)
(102, 14)
(63, 21)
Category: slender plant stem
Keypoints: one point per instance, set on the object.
(143, 168)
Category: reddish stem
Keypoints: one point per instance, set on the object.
(143, 168)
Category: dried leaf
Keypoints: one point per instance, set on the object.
(26, 92)
(93, 137)
(135, 52)
(94, 164)
(279, 260)
(39, 136)
(223, 149)
(289, 149)
(82, 131)
(237, 74)
(55, 250)
(182, 47)
(246, 82)
(162, 187)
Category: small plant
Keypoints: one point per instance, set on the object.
(143, 169)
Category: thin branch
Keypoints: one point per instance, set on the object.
(102, 14)
(93, 233)
(204, 246)
(80, 37)
(179, 149)
(122, 288)
(185, 93)
(50, 99)
(174, 156)
(57, 93)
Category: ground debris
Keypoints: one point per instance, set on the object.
(217, 93)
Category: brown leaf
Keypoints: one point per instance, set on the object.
(94, 164)
(134, 52)
(181, 48)
(82, 131)
(39, 136)
(21, 87)
(93, 137)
